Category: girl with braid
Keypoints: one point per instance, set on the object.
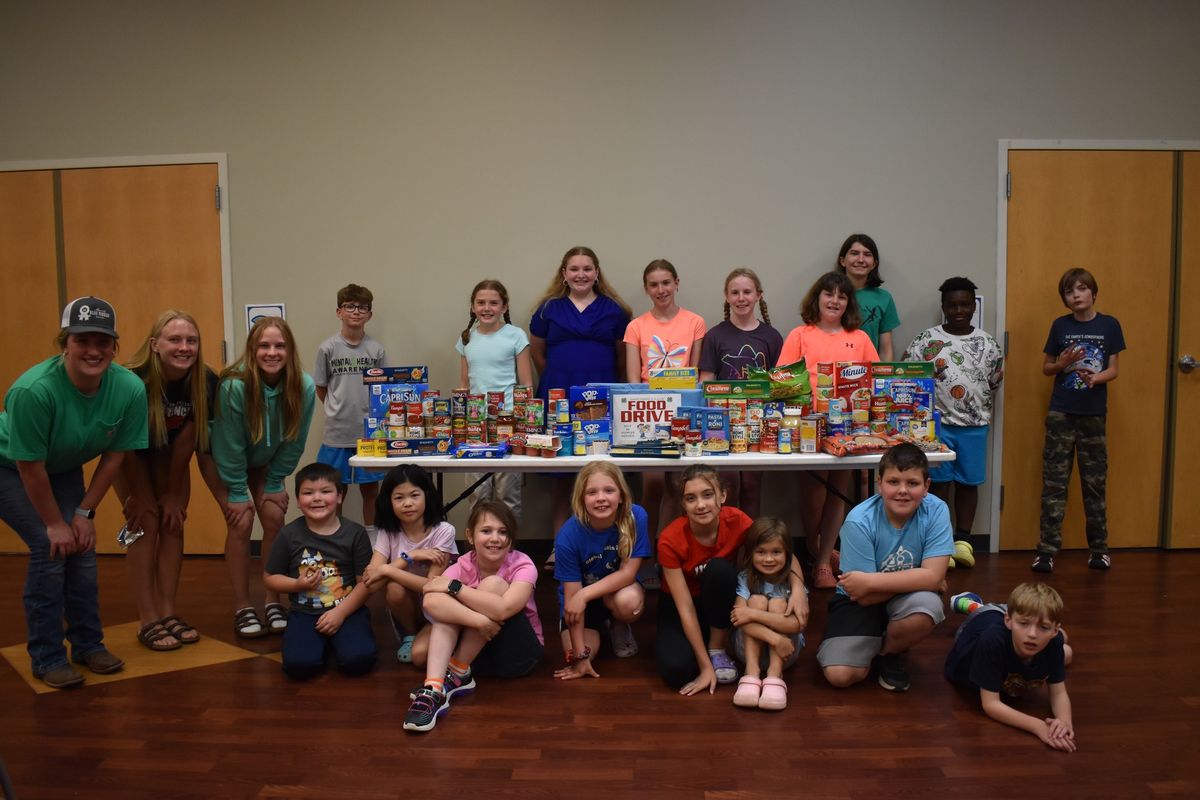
(740, 342)
(495, 357)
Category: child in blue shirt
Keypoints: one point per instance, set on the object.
(895, 550)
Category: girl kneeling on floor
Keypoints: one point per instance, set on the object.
(599, 551)
(765, 631)
(697, 553)
(483, 618)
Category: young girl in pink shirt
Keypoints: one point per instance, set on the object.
(665, 336)
(830, 333)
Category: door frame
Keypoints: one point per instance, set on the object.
(222, 162)
(1004, 147)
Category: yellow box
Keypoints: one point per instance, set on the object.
(674, 378)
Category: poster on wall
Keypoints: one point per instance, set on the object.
(257, 311)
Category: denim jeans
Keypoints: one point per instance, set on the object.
(55, 588)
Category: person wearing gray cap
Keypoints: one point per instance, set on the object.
(59, 415)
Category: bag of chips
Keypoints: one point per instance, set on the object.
(788, 381)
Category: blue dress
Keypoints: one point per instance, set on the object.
(580, 345)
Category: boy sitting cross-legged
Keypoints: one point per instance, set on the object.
(1011, 649)
(895, 549)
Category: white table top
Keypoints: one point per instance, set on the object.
(747, 461)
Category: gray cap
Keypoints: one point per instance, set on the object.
(90, 315)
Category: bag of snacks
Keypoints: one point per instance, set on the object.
(787, 381)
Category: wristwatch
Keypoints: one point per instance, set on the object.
(454, 587)
(86, 513)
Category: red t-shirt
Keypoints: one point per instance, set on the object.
(678, 548)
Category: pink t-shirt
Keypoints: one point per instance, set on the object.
(392, 543)
(516, 566)
(665, 344)
(816, 345)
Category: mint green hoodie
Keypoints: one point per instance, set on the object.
(232, 449)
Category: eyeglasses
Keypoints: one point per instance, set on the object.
(356, 307)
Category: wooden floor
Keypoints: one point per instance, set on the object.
(242, 729)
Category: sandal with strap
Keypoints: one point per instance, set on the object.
(247, 625)
(180, 629)
(276, 617)
(152, 634)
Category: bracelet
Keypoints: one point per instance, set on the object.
(572, 660)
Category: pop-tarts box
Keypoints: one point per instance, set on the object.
(636, 409)
(595, 430)
(589, 402)
(713, 424)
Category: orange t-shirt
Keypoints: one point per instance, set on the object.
(816, 345)
(665, 344)
(678, 548)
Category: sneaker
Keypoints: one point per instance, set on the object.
(892, 675)
(964, 554)
(1043, 563)
(1099, 561)
(404, 652)
(101, 662)
(961, 603)
(823, 578)
(623, 643)
(950, 564)
(425, 709)
(459, 685)
(724, 666)
(549, 565)
(63, 677)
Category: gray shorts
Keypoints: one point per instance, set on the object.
(854, 634)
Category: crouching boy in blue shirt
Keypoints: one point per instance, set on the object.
(895, 550)
(1013, 649)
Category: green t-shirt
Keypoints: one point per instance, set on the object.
(47, 419)
(878, 312)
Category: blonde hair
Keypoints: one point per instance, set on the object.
(746, 272)
(246, 370)
(1036, 600)
(558, 286)
(626, 528)
(147, 364)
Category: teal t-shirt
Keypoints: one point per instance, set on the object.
(878, 312)
(492, 360)
(47, 419)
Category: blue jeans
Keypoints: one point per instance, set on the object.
(55, 588)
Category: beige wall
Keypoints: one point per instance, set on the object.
(417, 147)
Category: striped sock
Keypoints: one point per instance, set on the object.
(459, 669)
(437, 684)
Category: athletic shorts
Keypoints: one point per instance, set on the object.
(970, 449)
(854, 634)
(339, 457)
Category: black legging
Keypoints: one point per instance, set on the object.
(676, 660)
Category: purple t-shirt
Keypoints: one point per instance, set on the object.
(516, 566)
(729, 351)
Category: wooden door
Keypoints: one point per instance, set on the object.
(28, 287)
(1110, 212)
(147, 239)
(1184, 530)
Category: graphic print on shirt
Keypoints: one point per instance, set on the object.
(1092, 359)
(743, 359)
(898, 561)
(349, 365)
(600, 565)
(332, 588)
(1016, 685)
(665, 354)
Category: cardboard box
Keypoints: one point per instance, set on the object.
(902, 369)
(589, 402)
(379, 375)
(417, 447)
(744, 389)
(636, 411)
(372, 448)
(382, 395)
(713, 424)
(674, 377)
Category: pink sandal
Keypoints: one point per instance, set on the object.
(747, 694)
(823, 578)
(774, 695)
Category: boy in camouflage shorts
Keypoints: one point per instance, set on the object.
(1081, 353)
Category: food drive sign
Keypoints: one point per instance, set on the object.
(635, 415)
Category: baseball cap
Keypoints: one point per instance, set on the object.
(90, 315)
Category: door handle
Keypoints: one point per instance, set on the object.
(1186, 363)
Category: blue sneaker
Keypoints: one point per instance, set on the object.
(425, 709)
(404, 652)
(961, 603)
